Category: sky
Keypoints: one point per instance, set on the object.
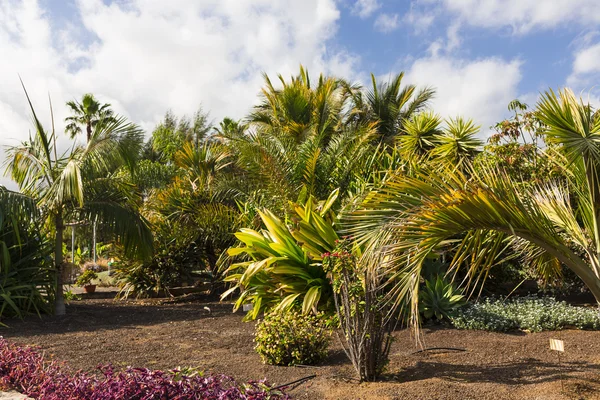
(145, 57)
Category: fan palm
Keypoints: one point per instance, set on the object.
(80, 184)
(88, 113)
(548, 223)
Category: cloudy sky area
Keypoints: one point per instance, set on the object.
(148, 56)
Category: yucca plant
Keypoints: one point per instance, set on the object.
(549, 224)
(285, 266)
(457, 144)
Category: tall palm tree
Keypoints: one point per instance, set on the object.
(549, 223)
(87, 114)
(390, 105)
(81, 184)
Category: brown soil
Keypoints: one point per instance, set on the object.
(161, 335)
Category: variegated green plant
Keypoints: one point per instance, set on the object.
(285, 263)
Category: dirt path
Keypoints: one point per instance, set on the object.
(158, 335)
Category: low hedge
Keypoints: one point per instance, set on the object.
(529, 313)
(24, 369)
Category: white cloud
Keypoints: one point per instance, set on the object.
(148, 56)
(479, 89)
(586, 67)
(521, 16)
(386, 23)
(420, 20)
(365, 8)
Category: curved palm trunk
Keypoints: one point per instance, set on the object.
(59, 301)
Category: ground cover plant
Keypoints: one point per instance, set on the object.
(532, 314)
(27, 371)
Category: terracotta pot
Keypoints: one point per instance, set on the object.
(89, 288)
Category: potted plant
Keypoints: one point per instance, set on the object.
(85, 280)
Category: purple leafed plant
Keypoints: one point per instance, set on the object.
(24, 369)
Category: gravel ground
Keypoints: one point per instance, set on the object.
(161, 334)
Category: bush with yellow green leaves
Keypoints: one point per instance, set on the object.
(290, 338)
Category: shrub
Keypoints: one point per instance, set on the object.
(86, 278)
(28, 280)
(26, 370)
(290, 338)
(529, 313)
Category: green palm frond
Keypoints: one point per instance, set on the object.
(408, 218)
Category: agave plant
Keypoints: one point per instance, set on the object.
(285, 266)
(549, 224)
(439, 298)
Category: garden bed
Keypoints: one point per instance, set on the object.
(159, 334)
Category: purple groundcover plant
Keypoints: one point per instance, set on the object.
(24, 369)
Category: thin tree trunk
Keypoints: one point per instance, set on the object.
(89, 131)
(59, 301)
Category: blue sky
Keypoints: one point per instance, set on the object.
(148, 56)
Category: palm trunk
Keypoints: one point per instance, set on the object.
(59, 301)
(88, 129)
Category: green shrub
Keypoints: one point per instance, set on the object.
(439, 298)
(529, 313)
(291, 338)
(86, 278)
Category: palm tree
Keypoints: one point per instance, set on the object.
(88, 113)
(82, 184)
(299, 109)
(549, 223)
(390, 105)
(298, 142)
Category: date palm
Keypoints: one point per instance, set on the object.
(82, 184)
(87, 114)
(300, 109)
(550, 223)
(390, 105)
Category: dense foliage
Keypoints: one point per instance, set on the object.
(532, 314)
(285, 267)
(27, 371)
(290, 338)
(26, 274)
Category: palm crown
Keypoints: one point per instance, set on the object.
(88, 113)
